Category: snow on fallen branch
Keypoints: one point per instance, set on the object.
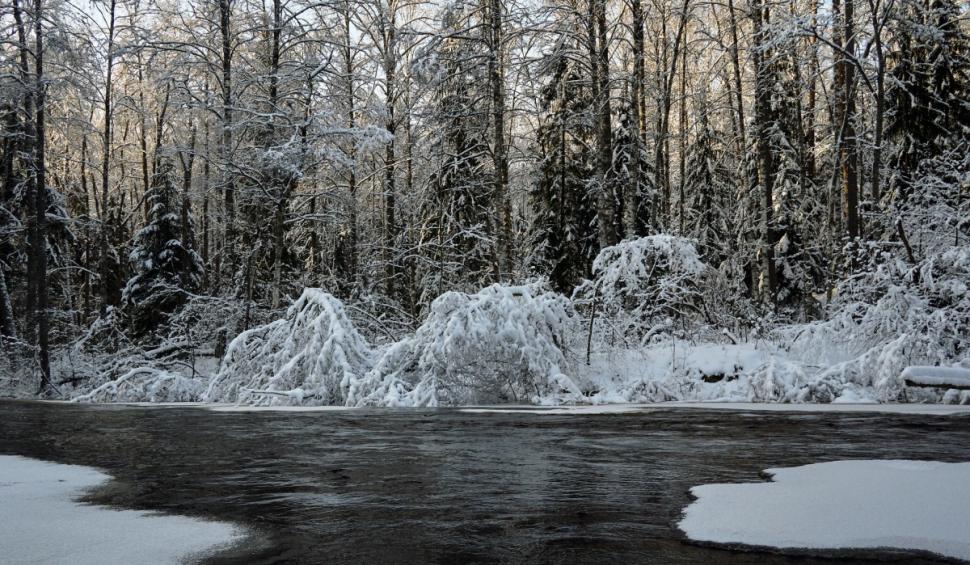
(146, 384)
(943, 377)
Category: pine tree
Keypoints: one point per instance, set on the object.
(461, 225)
(164, 268)
(708, 190)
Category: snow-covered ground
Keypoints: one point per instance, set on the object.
(41, 523)
(860, 504)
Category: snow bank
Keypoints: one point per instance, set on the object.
(502, 344)
(921, 505)
(313, 355)
(681, 370)
(39, 523)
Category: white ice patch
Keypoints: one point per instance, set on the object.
(863, 504)
(40, 523)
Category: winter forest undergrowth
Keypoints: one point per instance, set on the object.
(401, 203)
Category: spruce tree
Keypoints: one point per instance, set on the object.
(165, 269)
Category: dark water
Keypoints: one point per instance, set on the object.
(443, 486)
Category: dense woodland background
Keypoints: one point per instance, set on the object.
(177, 171)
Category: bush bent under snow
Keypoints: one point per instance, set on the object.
(642, 285)
(502, 344)
(313, 355)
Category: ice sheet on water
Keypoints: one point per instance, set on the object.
(40, 523)
(856, 504)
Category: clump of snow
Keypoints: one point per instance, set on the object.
(39, 523)
(313, 355)
(502, 344)
(865, 504)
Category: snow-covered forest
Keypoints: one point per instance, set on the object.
(409, 203)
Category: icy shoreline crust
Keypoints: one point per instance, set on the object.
(41, 523)
(857, 504)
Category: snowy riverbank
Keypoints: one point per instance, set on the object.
(629, 334)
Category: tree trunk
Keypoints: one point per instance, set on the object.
(766, 165)
(632, 197)
(500, 157)
(29, 129)
(880, 105)
(143, 140)
(738, 85)
(108, 293)
(390, 165)
(228, 175)
(850, 162)
(349, 70)
(39, 246)
(8, 327)
(606, 202)
(683, 139)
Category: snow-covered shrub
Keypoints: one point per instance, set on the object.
(502, 344)
(887, 318)
(147, 384)
(313, 355)
(644, 286)
(19, 376)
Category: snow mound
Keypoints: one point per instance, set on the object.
(678, 370)
(313, 355)
(921, 505)
(502, 344)
(39, 523)
(957, 377)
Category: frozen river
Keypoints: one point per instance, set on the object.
(446, 486)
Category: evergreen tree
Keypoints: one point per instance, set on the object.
(929, 91)
(164, 268)
(562, 235)
(459, 213)
(629, 152)
(708, 189)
